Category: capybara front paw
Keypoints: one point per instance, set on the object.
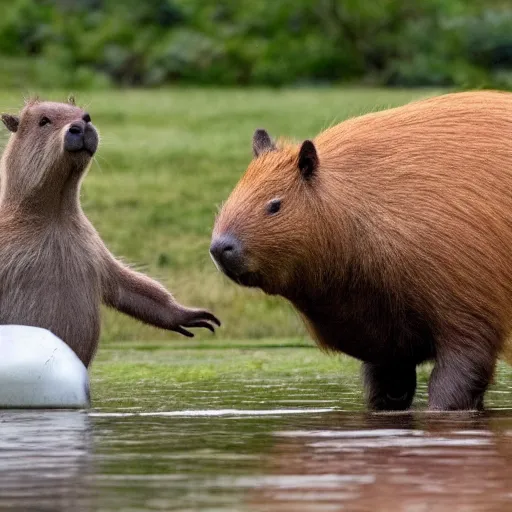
(195, 318)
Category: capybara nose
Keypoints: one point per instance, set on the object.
(81, 135)
(226, 251)
(75, 129)
(74, 138)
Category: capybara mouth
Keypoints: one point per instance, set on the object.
(79, 151)
(249, 279)
(84, 154)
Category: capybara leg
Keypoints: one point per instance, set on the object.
(389, 387)
(459, 379)
(143, 298)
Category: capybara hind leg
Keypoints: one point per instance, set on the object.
(459, 380)
(389, 387)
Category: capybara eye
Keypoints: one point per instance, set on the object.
(274, 206)
(44, 121)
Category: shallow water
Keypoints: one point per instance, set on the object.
(288, 443)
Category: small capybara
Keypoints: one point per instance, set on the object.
(54, 268)
(391, 234)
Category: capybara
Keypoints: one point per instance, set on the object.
(54, 268)
(391, 234)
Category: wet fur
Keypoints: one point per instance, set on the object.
(397, 250)
(55, 271)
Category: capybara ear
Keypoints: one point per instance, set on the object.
(261, 142)
(308, 159)
(11, 122)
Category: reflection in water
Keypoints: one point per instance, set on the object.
(408, 462)
(243, 447)
(45, 460)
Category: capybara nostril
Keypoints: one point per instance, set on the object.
(74, 138)
(226, 252)
(75, 129)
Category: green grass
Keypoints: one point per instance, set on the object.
(231, 374)
(193, 361)
(168, 158)
(262, 374)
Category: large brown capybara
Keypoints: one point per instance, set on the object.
(391, 234)
(54, 268)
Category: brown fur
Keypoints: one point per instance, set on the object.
(398, 249)
(55, 270)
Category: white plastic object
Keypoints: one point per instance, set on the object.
(38, 370)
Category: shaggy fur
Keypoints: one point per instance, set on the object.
(396, 250)
(55, 270)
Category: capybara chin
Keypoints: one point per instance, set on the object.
(391, 234)
(54, 269)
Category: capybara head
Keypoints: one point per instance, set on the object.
(49, 141)
(267, 233)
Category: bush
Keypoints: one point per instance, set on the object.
(262, 42)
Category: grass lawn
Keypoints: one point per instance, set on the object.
(167, 160)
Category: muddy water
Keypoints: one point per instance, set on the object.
(290, 444)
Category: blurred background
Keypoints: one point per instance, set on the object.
(99, 43)
(177, 87)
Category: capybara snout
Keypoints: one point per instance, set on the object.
(227, 253)
(81, 136)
